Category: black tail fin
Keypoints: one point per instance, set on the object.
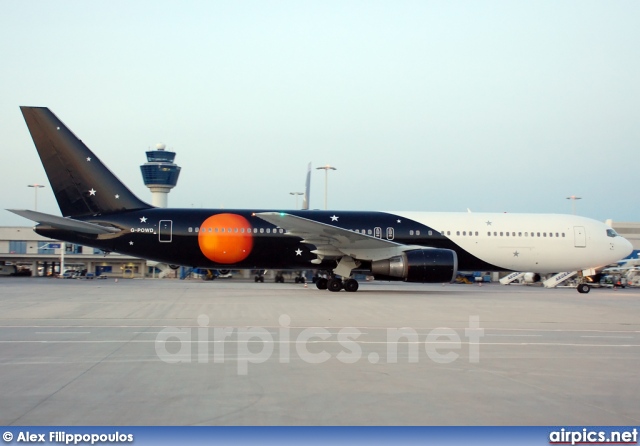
(81, 183)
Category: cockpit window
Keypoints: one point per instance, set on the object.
(611, 233)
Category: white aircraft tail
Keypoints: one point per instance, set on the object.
(307, 190)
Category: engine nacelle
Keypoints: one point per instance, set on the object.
(531, 278)
(429, 265)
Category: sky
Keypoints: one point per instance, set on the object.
(492, 106)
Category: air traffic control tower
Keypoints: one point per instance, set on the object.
(160, 174)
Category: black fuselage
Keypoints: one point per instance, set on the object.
(175, 236)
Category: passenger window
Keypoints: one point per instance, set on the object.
(190, 229)
(418, 232)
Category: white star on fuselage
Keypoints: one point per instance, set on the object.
(92, 191)
(298, 252)
(143, 219)
(334, 218)
(117, 197)
(131, 242)
(88, 159)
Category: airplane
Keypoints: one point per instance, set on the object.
(98, 210)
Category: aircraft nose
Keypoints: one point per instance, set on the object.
(625, 246)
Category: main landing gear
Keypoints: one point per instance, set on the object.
(335, 284)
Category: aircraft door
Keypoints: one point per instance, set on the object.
(580, 237)
(165, 231)
(390, 233)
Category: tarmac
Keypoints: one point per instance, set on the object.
(229, 352)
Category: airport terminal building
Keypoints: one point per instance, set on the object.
(28, 251)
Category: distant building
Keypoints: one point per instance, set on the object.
(22, 247)
(160, 174)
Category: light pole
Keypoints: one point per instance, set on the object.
(35, 189)
(326, 168)
(573, 198)
(297, 194)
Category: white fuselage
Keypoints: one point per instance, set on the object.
(543, 243)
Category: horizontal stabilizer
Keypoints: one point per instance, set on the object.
(65, 223)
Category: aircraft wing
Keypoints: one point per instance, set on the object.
(65, 223)
(332, 241)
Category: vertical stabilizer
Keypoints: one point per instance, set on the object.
(307, 190)
(81, 183)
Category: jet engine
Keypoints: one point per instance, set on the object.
(429, 265)
(531, 278)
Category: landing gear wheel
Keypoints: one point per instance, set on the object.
(583, 288)
(321, 283)
(334, 285)
(351, 285)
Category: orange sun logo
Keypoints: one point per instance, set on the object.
(225, 238)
